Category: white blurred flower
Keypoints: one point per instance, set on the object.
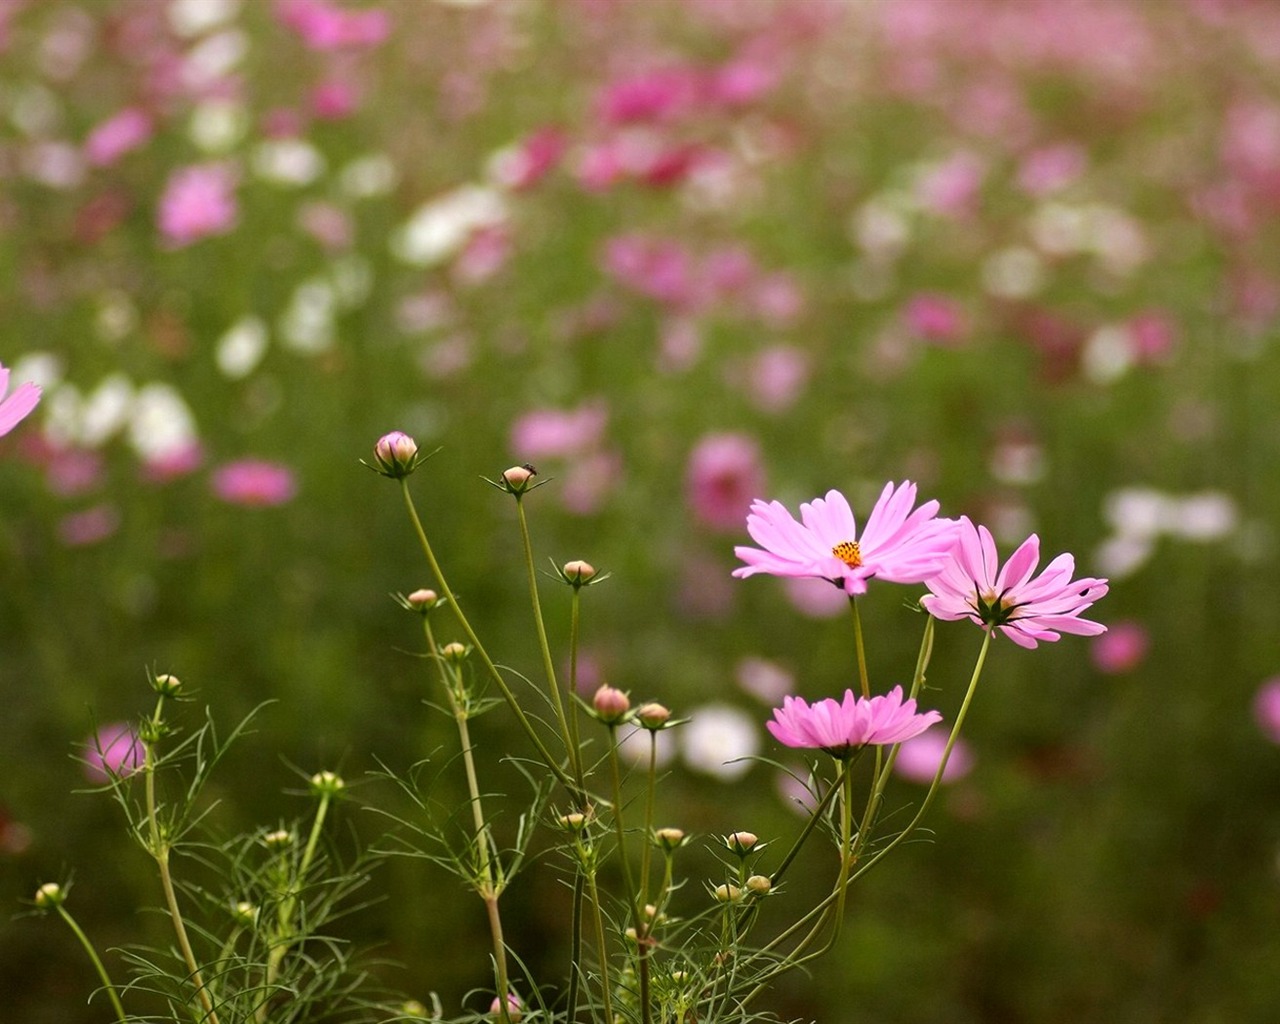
(368, 176)
(191, 17)
(717, 739)
(214, 58)
(881, 226)
(1123, 555)
(43, 368)
(115, 316)
(437, 229)
(1207, 516)
(633, 746)
(239, 351)
(1107, 355)
(288, 162)
(1139, 512)
(307, 324)
(58, 165)
(1013, 273)
(161, 422)
(1059, 229)
(218, 125)
(105, 410)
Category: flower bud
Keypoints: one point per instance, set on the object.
(578, 572)
(679, 977)
(518, 479)
(741, 843)
(759, 885)
(395, 455)
(414, 1010)
(574, 821)
(611, 705)
(245, 913)
(166, 685)
(422, 600)
(515, 1009)
(327, 784)
(669, 838)
(51, 894)
(728, 894)
(653, 715)
(280, 839)
(455, 652)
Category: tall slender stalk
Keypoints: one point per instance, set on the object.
(95, 959)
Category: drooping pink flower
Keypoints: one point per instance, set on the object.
(1026, 610)
(198, 201)
(919, 757)
(841, 727)
(1266, 709)
(254, 482)
(723, 475)
(15, 407)
(1121, 649)
(113, 751)
(119, 134)
(897, 544)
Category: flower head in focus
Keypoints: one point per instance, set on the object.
(17, 406)
(1026, 610)
(841, 727)
(897, 544)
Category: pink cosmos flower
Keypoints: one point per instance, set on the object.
(897, 544)
(724, 471)
(1026, 610)
(198, 201)
(114, 750)
(17, 406)
(841, 727)
(254, 482)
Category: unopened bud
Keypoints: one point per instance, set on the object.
(518, 478)
(574, 821)
(759, 885)
(653, 715)
(741, 843)
(51, 894)
(455, 652)
(414, 1010)
(327, 783)
(515, 1009)
(245, 913)
(578, 571)
(669, 838)
(679, 977)
(280, 839)
(611, 704)
(395, 455)
(166, 685)
(728, 893)
(422, 600)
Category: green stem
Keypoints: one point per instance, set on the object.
(863, 678)
(809, 826)
(606, 993)
(575, 738)
(552, 765)
(160, 851)
(637, 915)
(97, 962)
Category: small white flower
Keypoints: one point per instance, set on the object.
(718, 739)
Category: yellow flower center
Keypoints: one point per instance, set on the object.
(849, 553)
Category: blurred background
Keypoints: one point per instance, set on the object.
(679, 254)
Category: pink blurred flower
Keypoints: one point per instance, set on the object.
(1152, 336)
(334, 99)
(119, 134)
(723, 475)
(1050, 168)
(16, 407)
(763, 679)
(1026, 610)
(649, 96)
(919, 757)
(198, 201)
(897, 544)
(74, 471)
(254, 482)
(815, 598)
(323, 25)
(92, 526)
(559, 433)
(1121, 649)
(936, 318)
(776, 377)
(950, 189)
(841, 727)
(1266, 709)
(588, 482)
(531, 159)
(113, 751)
(741, 82)
(655, 267)
(178, 461)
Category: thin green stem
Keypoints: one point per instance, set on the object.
(606, 986)
(552, 765)
(96, 960)
(809, 825)
(637, 915)
(863, 679)
(160, 851)
(575, 738)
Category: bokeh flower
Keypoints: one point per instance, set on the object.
(254, 482)
(1026, 610)
(719, 740)
(841, 727)
(1266, 709)
(1121, 649)
(114, 750)
(918, 758)
(15, 407)
(725, 471)
(198, 201)
(897, 544)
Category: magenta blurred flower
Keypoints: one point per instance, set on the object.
(72, 472)
(776, 377)
(16, 407)
(172, 463)
(1026, 610)
(323, 25)
(841, 727)
(724, 474)
(198, 201)
(659, 268)
(254, 482)
(559, 433)
(1266, 709)
(919, 757)
(113, 751)
(92, 526)
(334, 99)
(936, 318)
(119, 134)
(532, 158)
(649, 96)
(1121, 649)
(897, 544)
(1050, 168)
